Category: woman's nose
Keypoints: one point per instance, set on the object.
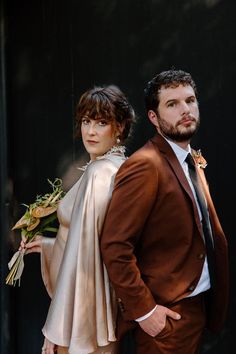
(92, 129)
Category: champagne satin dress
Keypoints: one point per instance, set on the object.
(82, 313)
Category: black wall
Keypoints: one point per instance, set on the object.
(52, 52)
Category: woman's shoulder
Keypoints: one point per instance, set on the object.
(104, 165)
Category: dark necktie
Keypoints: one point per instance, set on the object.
(205, 217)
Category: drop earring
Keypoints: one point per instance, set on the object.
(118, 140)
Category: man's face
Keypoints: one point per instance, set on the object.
(178, 113)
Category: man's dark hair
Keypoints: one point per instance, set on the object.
(169, 78)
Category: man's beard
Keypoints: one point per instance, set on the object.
(175, 133)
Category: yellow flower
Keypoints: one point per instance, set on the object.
(38, 218)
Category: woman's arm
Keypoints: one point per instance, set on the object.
(44, 246)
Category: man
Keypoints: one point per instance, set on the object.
(162, 243)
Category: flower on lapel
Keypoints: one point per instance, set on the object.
(199, 159)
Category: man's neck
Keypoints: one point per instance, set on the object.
(183, 144)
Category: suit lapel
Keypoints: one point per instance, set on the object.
(172, 160)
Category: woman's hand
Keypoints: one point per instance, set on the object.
(48, 347)
(32, 247)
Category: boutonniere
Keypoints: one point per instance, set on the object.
(199, 159)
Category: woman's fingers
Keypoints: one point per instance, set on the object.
(33, 246)
(22, 245)
(48, 347)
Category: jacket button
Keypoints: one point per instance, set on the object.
(201, 256)
(191, 288)
(120, 304)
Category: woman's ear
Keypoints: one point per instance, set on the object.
(119, 128)
(153, 118)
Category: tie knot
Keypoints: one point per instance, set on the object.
(190, 161)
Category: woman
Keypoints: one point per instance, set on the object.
(81, 317)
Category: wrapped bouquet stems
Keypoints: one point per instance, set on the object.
(38, 218)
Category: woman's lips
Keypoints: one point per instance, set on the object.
(92, 142)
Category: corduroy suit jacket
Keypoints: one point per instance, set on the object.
(152, 243)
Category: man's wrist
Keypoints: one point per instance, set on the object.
(146, 316)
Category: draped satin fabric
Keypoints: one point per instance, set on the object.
(82, 312)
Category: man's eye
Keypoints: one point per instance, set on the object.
(191, 100)
(171, 104)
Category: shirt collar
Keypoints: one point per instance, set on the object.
(180, 153)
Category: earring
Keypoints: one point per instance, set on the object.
(118, 140)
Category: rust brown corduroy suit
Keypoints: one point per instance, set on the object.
(153, 249)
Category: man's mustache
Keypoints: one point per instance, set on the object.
(187, 118)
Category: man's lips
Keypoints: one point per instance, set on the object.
(186, 121)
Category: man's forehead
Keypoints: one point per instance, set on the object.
(175, 91)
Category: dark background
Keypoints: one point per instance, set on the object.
(51, 52)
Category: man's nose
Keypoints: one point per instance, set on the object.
(184, 108)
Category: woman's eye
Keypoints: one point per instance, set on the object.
(102, 123)
(85, 121)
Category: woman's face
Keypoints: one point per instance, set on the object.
(98, 136)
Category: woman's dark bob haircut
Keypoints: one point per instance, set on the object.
(108, 103)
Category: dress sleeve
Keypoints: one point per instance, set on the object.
(46, 256)
(82, 312)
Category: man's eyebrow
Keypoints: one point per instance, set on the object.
(177, 99)
(171, 100)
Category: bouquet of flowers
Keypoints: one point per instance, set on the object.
(38, 218)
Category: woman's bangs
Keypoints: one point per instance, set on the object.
(98, 109)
